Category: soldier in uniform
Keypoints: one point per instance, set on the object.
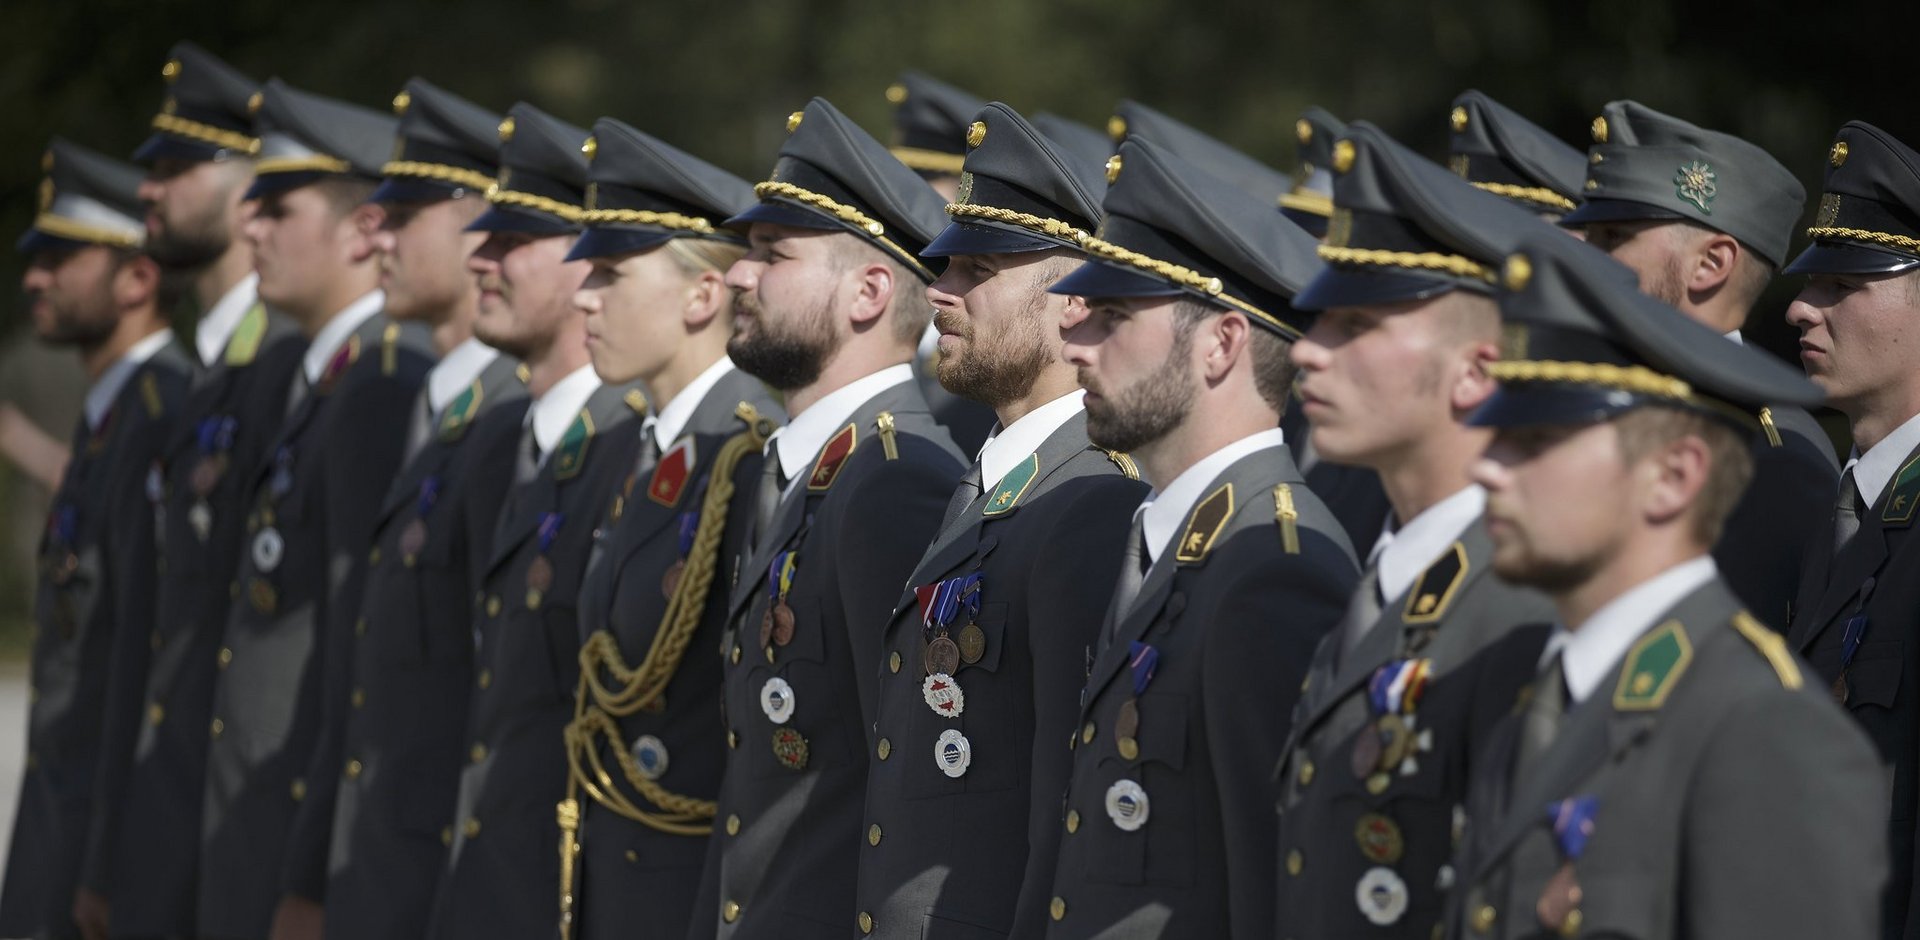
(1496, 149)
(1704, 218)
(987, 646)
(1429, 654)
(1674, 771)
(829, 304)
(578, 439)
(199, 166)
(645, 748)
(89, 286)
(311, 501)
(1309, 202)
(1857, 596)
(1232, 569)
(369, 844)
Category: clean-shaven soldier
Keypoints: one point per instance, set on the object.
(1429, 654)
(1497, 149)
(1675, 771)
(89, 286)
(199, 165)
(577, 442)
(830, 302)
(312, 498)
(1859, 593)
(1704, 218)
(369, 845)
(987, 647)
(646, 748)
(1231, 572)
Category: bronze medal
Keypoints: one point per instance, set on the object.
(766, 628)
(1366, 752)
(973, 643)
(1559, 905)
(1396, 741)
(413, 538)
(62, 568)
(670, 581)
(206, 474)
(1126, 724)
(539, 575)
(782, 624)
(1380, 839)
(943, 655)
(1840, 688)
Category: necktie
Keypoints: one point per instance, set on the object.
(422, 426)
(1544, 713)
(1362, 612)
(529, 462)
(1846, 512)
(767, 498)
(1133, 571)
(649, 453)
(963, 495)
(301, 387)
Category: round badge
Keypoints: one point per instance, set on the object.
(670, 581)
(650, 755)
(782, 624)
(776, 699)
(1382, 896)
(943, 695)
(268, 549)
(943, 655)
(789, 748)
(1559, 902)
(1366, 752)
(1380, 839)
(413, 538)
(1127, 805)
(953, 753)
(973, 643)
(200, 516)
(540, 574)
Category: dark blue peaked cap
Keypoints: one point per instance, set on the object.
(205, 115)
(644, 192)
(542, 188)
(1133, 119)
(305, 137)
(1173, 229)
(1020, 191)
(831, 175)
(447, 147)
(1085, 143)
(1310, 201)
(87, 198)
(1869, 216)
(930, 122)
(1493, 147)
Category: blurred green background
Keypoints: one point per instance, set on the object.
(719, 78)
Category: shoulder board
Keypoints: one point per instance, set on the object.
(523, 372)
(1287, 516)
(1904, 497)
(150, 394)
(1767, 425)
(832, 458)
(390, 349)
(571, 455)
(460, 412)
(670, 475)
(1007, 492)
(1654, 663)
(1125, 463)
(1771, 646)
(1204, 525)
(636, 401)
(1433, 593)
(244, 344)
(883, 423)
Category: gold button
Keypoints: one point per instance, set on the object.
(733, 738)
(156, 714)
(1058, 908)
(373, 557)
(893, 662)
(1306, 772)
(297, 789)
(866, 922)
(225, 658)
(1483, 919)
(493, 606)
(885, 749)
(733, 825)
(1295, 861)
(1129, 748)
(1086, 733)
(359, 698)
(218, 726)
(873, 834)
(632, 856)
(769, 654)
(486, 678)
(478, 752)
(360, 627)
(736, 654)
(730, 911)
(1073, 820)
(472, 828)
(353, 770)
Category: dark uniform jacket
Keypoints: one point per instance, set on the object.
(1727, 797)
(1875, 580)
(633, 878)
(311, 509)
(232, 413)
(783, 861)
(93, 616)
(411, 665)
(948, 854)
(1232, 610)
(1783, 518)
(1481, 639)
(503, 874)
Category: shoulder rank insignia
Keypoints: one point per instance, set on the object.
(1287, 517)
(390, 349)
(1204, 525)
(1771, 646)
(1431, 595)
(244, 344)
(883, 423)
(1655, 662)
(832, 458)
(1125, 462)
(1007, 492)
(636, 401)
(460, 412)
(571, 455)
(150, 395)
(523, 373)
(671, 473)
(1772, 430)
(1904, 495)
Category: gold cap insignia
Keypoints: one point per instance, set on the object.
(1342, 156)
(1116, 127)
(896, 93)
(1600, 130)
(976, 133)
(1458, 119)
(401, 102)
(1838, 155)
(1517, 273)
(590, 147)
(1303, 130)
(1113, 169)
(254, 103)
(506, 129)
(170, 71)
(794, 119)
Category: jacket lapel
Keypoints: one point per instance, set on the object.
(1847, 573)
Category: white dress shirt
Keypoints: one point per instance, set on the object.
(107, 387)
(1873, 470)
(552, 413)
(454, 372)
(799, 443)
(672, 419)
(334, 335)
(1591, 652)
(1006, 449)
(1167, 509)
(215, 329)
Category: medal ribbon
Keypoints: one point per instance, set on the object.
(1397, 686)
(689, 525)
(1572, 820)
(429, 494)
(215, 433)
(63, 523)
(550, 523)
(1143, 659)
(941, 602)
(282, 479)
(780, 575)
(1856, 629)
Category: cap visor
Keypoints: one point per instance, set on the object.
(1361, 287)
(1841, 258)
(509, 219)
(780, 213)
(404, 189)
(1100, 279)
(1528, 404)
(598, 242)
(36, 241)
(168, 147)
(1614, 210)
(962, 238)
(267, 184)
(1313, 223)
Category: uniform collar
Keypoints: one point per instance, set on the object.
(673, 417)
(332, 336)
(800, 441)
(455, 371)
(550, 414)
(1875, 468)
(1167, 509)
(1589, 654)
(1405, 552)
(107, 387)
(1007, 448)
(210, 336)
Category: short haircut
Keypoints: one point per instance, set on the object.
(344, 193)
(909, 308)
(1647, 429)
(697, 256)
(1273, 368)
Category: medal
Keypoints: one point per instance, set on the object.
(268, 549)
(1840, 688)
(1395, 739)
(940, 605)
(61, 569)
(1573, 824)
(156, 483)
(281, 481)
(1366, 752)
(200, 517)
(1127, 805)
(1382, 896)
(214, 437)
(650, 755)
(766, 627)
(776, 699)
(1142, 661)
(953, 753)
(205, 474)
(1559, 904)
(1126, 727)
(776, 625)
(1380, 839)
(973, 643)
(943, 695)
(413, 538)
(670, 581)
(782, 623)
(942, 656)
(262, 595)
(539, 574)
(789, 748)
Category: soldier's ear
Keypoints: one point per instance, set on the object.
(365, 221)
(1232, 341)
(707, 295)
(1712, 263)
(136, 281)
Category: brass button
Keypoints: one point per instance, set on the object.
(736, 657)
(1086, 733)
(1128, 747)
(156, 714)
(1073, 820)
(893, 662)
(1058, 908)
(733, 825)
(359, 698)
(733, 738)
(373, 557)
(472, 828)
(866, 922)
(1306, 772)
(297, 789)
(225, 658)
(769, 654)
(353, 770)
(478, 752)
(218, 726)
(873, 834)
(1483, 919)
(1295, 861)
(885, 749)
(730, 911)
(633, 856)
(485, 678)
(493, 605)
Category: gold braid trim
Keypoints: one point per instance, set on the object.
(688, 223)
(929, 161)
(679, 816)
(1306, 200)
(472, 179)
(1427, 260)
(206, 133)
(1041, 224)
(514, 197)
(1637, 379)
(844, 213)
(1539, 194)
(1183, 277)
(316, 163)
(1909, 245)
(59, 226)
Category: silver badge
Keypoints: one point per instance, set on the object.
(953, 752)
(776, 699)
(943, 695)
(650, 755)
(1382, 896)
(268, 549)
(1127, 805)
